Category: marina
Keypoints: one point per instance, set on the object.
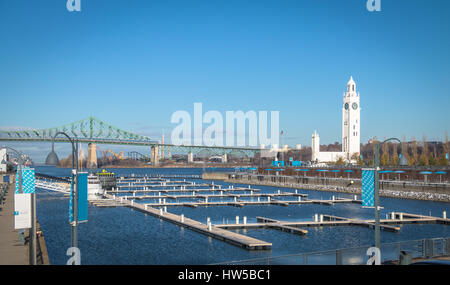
(206, 229)
(206, 210)
(268, 133)
(226, 232)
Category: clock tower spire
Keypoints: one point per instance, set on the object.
(351, 121)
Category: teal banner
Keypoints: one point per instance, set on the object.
(28, 181)
(368, 187)
(82, 195)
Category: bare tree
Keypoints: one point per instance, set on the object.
(424, 155)
(385, 156)
(394, 158)
(415, 155)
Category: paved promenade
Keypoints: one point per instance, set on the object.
(12, 252)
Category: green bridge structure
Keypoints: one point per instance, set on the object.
(94, 131)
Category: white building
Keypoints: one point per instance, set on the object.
(3, 157)
(350, 129)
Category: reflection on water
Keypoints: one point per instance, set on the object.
(124, 236)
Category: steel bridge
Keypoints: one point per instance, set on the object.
(93, 130)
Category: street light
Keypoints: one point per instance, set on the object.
(75, 185)
(52, 158)
(33, 205)
(403, 161)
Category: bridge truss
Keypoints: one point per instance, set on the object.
(93, 130)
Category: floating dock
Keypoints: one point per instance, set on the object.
(323, 220)
(256, 198)
(168, 195)
(206, 229)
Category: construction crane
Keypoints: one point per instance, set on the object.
(118, 156)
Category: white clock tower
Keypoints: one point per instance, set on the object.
(350, 130)
(351, 121)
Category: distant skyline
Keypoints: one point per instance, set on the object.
(134, 63)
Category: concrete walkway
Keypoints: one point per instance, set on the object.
(12, 252)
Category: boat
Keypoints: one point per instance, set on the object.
(107, 179)
(95, 189)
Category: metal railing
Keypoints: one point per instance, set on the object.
(3, 188)
(390, 253)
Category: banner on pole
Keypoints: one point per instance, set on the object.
(22, 211)
(28, 181)
(368, 187)
(72, 184)
(82, 194)
(82, 197)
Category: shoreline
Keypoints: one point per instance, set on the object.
(422, 196)
(390, 193)
(160, 166)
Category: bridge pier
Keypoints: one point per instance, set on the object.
(190, 157)
(92, 156)
(224, 158)
(154, 155)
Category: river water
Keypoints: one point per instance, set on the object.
(125, 236)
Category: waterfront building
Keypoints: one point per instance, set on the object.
(3, 159)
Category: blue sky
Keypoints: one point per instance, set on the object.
(134, 63)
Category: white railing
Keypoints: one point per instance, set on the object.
(52, 186)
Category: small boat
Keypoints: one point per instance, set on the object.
(95, 190)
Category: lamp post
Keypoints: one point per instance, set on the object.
(33, 207)
(74, 242)
(402, 162)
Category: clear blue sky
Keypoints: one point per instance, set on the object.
(134, 63)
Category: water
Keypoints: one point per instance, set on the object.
(124, 236)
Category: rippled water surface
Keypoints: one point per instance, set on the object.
(124, 236)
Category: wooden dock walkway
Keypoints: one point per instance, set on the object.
(242, 203)
(209, 230)
(180, 190)
(329, 220)
(321, 220)
(208, 196)
(12, 251)
(160, 177)
(222, 231)
(205, 199)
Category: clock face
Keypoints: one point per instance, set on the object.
(346, 106)
(354, 106)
